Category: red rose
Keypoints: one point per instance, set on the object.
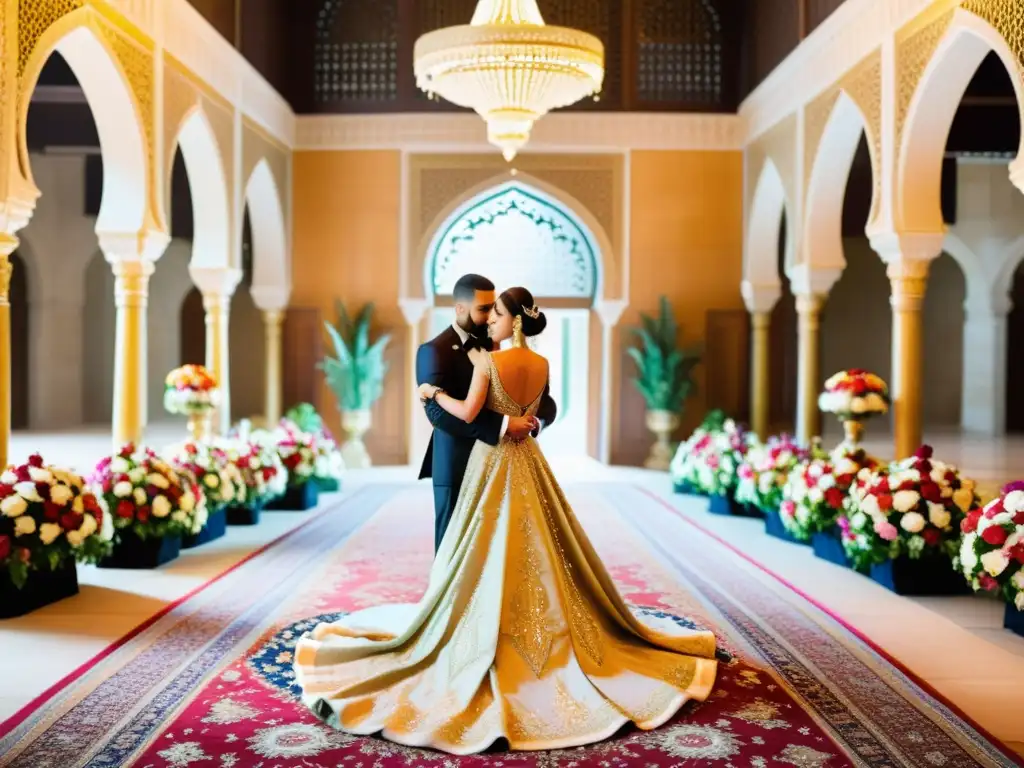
(908, 485)
(127, 450)
(885, 502)
(22, 473)
(5, 547)
(125, 509)
(43, 489)
(5, 490)
(834, 497)
(931, 492)
(1018, 519)
(970, 523)
(35, 460)
(994, 509)
(924, 467)
(142, 515)
(1017, 553)
(932, 536)
(71, 521)
(994, 535)
(108, 485)
(924, 452)
(191, 449)
(988, 583)
(51, 511)
(951, 478)
(844, 481)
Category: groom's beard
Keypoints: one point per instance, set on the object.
(480, 332)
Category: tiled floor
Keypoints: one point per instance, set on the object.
(956, 644)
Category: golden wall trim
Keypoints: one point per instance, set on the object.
(915, 46)
(558, 132)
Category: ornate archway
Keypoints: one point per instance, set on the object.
(516, 235)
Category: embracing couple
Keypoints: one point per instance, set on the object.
(521, 637)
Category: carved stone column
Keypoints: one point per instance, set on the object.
(760, 300)
(983, 403)
(808, 419)
(132, 257)
(907, 258)
(272, 320)
(218, 286)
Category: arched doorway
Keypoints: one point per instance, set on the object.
(517, 234)
(20, 360)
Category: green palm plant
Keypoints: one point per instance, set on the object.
(356, 373)
(664, 371)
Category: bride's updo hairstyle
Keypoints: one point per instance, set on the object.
(517, 300)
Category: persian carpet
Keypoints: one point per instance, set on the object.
(209, 684)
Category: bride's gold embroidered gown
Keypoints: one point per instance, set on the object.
(520, 635)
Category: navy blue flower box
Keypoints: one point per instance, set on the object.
(686, 488)
(298, 498)
(828, 545)
(42, 588)
(1013, 619)
(241, 514)
(137, 554)
(216, 526)
(773, 527)
(327, 484)
(929, 576)
(727, 505)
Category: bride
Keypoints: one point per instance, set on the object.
(521, 634)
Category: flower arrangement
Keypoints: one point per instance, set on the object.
(207, 467)
(719, 459)
(991, 555)
(913, 507)
(683, 468)
(147, 496)
(295, 448)
(854, 395)
(47, 518)
(190, 390)
(762, 473)
(816, 490)
(260, 469)
(329, 464)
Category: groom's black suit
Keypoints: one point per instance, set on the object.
(444, 362)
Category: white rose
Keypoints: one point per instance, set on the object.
(187, 502)
(858, 520)
(815, 495)
(139, 495)
(158, 480)
(964, 498)
(161, 506)
(903, 501)
(107, 527)
(88, 526)
(8, 478)
(938, 515)
(48, 532)
(1014, 501)
(912, 522)
(995, 562)
(119, 464)
(968, 558)
(13, 506)
(869, 505)
(1018, 580)
(27, 491)
(123, 489)
(24, 525)
(40, 475)
(179, 516)
(137, 475)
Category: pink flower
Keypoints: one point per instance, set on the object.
(745, 471)
(788, 508)
(886, 530)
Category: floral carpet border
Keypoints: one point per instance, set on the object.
(98, 710)
(900, 719)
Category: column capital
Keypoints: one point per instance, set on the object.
(807, 280)
(809, 303)
(215, 281)
(610, 311)
(270, 297)
(894, 247)
(147, 245)
(760, 298)
(273, 317)
(15, 214)
(414, 309)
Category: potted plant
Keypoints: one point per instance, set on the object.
(764, 471)
(48, 520)
(329, 463)
(356, 377)
(686, 462)
(297, 453)
(152, 506)
(991, 555)
(904, 525)
(218, 481)
(664, 378)
(263, 476)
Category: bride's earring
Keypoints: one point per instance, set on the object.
(518, 340)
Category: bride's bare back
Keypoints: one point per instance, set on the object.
(523, 373)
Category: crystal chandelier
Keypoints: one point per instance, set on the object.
(510, 68)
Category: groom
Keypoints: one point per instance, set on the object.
(444, 362)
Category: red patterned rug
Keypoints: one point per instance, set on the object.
(209, 684)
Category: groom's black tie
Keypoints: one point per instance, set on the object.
(472, 342)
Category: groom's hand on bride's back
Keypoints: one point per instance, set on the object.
(521, 427)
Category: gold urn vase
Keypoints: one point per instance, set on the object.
(662, 424)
